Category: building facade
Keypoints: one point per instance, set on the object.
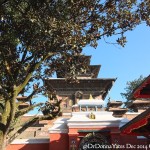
(85, 123)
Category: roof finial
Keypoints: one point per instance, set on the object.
(90, 98)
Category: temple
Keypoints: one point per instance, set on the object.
(115, 107)
(88, 84)
(87, 123)
(140, 125)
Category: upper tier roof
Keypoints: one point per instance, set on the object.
(92, 70)
(114, 104)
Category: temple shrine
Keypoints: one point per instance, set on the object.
(115, 107)
(140, 125)
(88, 85)
(91, 126)
(86, 122)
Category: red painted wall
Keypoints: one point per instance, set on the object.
(59, 141)
(44, 146)
(65, 141)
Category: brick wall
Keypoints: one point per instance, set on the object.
(29, 144)
(44, 146)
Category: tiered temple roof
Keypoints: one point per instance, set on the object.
(88, 85)
(92, 70)
(114, 104)
(21, 102)
(140, 97)
(140, 125)
(142, 91)
(95, 86)
(139, 104)
(115, 107)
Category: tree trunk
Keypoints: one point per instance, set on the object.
(2, 141)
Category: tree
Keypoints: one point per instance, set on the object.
(130, 87)
(39, 37)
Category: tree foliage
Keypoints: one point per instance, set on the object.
(130, 87)
(39, 37)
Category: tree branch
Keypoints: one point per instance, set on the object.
(12, 110)
(31, 70)
(27, 99)
(25, 110)
(23, 56)
(3, 2)
(29, 123)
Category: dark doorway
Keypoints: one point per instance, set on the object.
(94, 141)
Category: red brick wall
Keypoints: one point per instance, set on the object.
(59, 141)
(44, 146)
(131, 142)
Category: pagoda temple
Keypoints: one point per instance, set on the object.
(115, 107)
(88, 85)
(140, 97)
(140, 125)
(89, 125)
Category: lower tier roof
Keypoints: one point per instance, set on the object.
(92, 86)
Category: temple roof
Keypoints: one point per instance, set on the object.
(139, 125)
(23, 105)
(136, 103)
(21, 98)
(114, 104)
(88, 59)
(118, 109)
(92, 72)
(118, 112)
(92, 86)
(143, 90)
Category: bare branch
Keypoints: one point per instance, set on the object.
(25, 110)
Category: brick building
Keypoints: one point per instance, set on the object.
(85, 123)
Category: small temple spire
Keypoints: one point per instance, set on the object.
(90, 98)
